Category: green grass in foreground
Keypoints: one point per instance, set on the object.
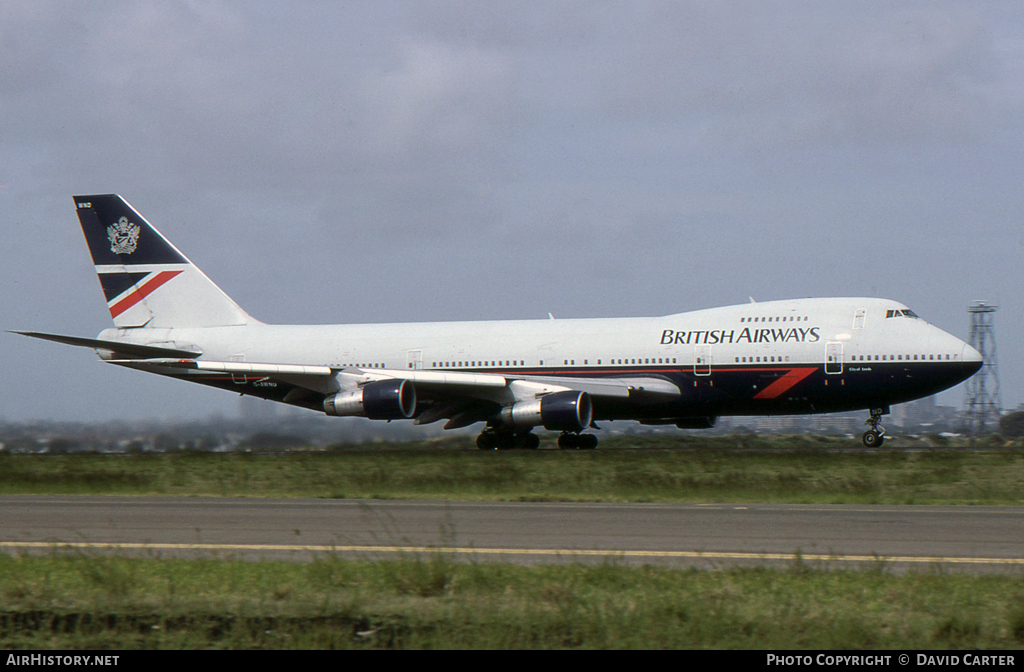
(797, 469)
(101, 602)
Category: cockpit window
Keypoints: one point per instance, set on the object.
(901, 313)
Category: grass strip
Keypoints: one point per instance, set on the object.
(430, 601)
(794, 469)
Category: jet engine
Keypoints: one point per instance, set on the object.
(568, 411)
(382, 400)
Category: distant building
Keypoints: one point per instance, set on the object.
(836, 424)
(925, 415)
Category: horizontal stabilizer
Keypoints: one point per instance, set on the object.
(128, 349)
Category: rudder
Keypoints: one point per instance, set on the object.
(147, 282)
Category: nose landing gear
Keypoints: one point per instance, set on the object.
(875, 437)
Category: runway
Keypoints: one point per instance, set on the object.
(959, 538)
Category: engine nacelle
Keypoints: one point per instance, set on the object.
(568, 411)
(706, 422)
(382, 400)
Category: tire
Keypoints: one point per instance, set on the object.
(568, 442)
(505, 441)
(528, 441)
(487, 441)
(587, 441)
(872, 439)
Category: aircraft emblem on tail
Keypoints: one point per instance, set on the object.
(123, 235)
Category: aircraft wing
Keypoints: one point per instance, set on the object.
(619, 388)
(630, 387)
(462, 397)
(237, 368)
(158, 356)
(460, 383)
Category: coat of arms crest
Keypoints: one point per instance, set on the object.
(123, 235)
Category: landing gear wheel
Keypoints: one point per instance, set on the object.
(505, 441)
(569, 441)
(873, 439)
(528, 441)
(490, 439)
(487, 441)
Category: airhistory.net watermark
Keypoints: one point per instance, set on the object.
(57, 660)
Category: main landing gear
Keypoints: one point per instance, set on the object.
(495, 439)
(875, 437)
(571, 441)
(492, 439)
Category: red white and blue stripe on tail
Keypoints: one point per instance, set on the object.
(124, 290)
(147, 282)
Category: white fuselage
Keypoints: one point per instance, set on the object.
(794, 331)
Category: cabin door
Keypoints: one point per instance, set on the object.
(415, 359)
(702, 360)
(833, 357)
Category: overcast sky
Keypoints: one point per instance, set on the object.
(332, 162)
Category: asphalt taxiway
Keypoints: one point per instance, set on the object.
(962, 538)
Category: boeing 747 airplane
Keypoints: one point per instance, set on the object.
(773, 358)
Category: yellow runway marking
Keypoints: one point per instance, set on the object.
(690, 555)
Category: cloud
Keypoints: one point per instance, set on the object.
(435, 95)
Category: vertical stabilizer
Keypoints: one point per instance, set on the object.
(147, 282)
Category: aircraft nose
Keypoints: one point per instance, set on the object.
(971, 360)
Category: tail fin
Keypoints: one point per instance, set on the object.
(146, 280)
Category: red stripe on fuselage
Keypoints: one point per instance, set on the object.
(141, 292)
(788, 380)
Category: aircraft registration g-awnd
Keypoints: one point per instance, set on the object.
(773, 358)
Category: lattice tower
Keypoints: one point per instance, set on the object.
(982, 403)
